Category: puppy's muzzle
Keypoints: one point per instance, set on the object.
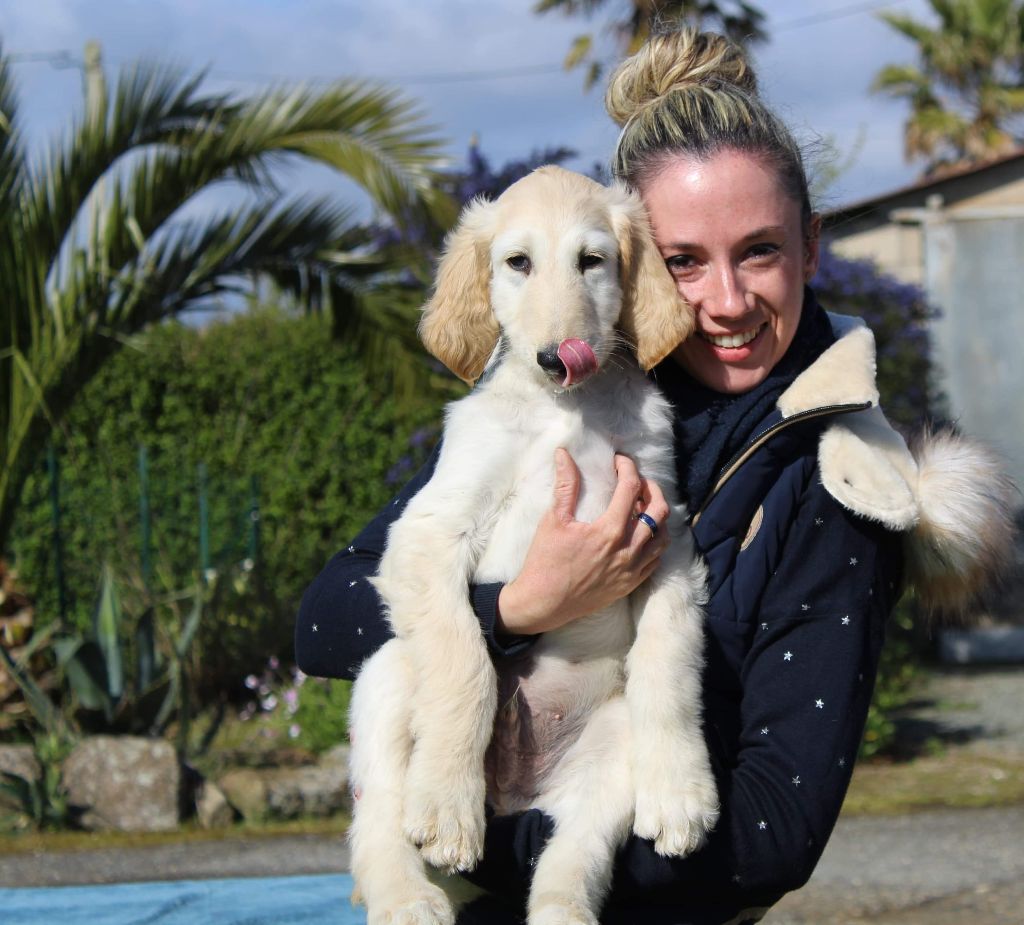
(572, 361)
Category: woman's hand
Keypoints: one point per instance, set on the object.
(574, 568)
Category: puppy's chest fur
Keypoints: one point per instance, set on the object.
(518, 429)
(546, 696)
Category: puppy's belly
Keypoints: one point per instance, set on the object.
(543, 705)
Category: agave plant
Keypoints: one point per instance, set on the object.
(101, 235)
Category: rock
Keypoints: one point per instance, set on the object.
(19, 760)
(212, 807)
(246, 790)
(124, 783)
(321, 790)
(316, 790)
(336, 756)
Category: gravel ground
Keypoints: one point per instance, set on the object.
(980, 709)
(943, 867)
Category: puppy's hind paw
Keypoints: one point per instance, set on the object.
(559, 912)
(450, 834)
(430, 909)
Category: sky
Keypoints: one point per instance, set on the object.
(489, 68)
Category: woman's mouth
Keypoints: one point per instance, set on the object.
(740, 339)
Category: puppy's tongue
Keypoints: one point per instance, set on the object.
(578, 358)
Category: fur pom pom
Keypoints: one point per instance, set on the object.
(964, 540)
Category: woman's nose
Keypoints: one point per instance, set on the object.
(728, 297)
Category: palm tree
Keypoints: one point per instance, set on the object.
(102, 235)
(634, 21)
(965, 94)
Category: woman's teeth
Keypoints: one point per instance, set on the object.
(732, 340)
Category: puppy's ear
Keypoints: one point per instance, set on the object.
(457, 325)
(654, 316)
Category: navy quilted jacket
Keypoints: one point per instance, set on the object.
(800, 589)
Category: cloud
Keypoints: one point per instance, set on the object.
(817, 75)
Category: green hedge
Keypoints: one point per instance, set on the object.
(261, 394)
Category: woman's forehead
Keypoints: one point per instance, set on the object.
(731, 192)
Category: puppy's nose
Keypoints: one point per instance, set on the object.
(551, 362)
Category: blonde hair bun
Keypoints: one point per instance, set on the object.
(676, 61)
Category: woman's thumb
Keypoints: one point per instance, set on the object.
(567, 486)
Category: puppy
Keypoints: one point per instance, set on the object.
(554, 296)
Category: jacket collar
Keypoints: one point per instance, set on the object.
(843, 375)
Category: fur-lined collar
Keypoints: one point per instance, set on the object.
(844, 374)
(950, 497)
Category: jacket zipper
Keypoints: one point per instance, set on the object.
(730, 468)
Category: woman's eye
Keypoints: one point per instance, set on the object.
(680, 263)
(519, 262)
(763, 251)
(589, 261)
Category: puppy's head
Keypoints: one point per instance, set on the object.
(561, 268)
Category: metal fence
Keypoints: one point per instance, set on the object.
(240, 540)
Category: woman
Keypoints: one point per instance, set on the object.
(801, 582)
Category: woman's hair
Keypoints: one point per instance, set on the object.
(693, 94)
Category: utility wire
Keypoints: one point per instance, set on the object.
(840, 13)
(63, 58)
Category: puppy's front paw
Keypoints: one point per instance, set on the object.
(430, 908)
(677, 811)
(447, 824)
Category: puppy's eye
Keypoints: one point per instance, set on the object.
(519, 262)
(589, 261)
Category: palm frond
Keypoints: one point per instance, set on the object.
(103, 236)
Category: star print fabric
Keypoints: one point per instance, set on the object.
(787, 691)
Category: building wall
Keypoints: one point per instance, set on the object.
(896, 249)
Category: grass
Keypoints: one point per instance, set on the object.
(949, 778)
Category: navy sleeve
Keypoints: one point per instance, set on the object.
(341, 619)
(806, 681)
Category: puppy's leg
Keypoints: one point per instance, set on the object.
(676, 797)
(453, 718)
(388, 870)
(590, 797)
(425, 582)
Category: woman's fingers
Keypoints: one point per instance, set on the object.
(567, 487)
(619, 515)
(572, 567)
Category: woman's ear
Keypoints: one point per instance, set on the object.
(654, 316)
(457, 325)
(812, 248)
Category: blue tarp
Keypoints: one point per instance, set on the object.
(322, 900)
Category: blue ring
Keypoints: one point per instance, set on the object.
(649, 522)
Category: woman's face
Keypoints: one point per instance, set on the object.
(733, 241)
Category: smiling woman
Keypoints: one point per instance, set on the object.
(809, 509)
(740, 256)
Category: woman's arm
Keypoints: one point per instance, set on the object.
(806, 688)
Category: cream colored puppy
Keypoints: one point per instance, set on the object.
(556, 296)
